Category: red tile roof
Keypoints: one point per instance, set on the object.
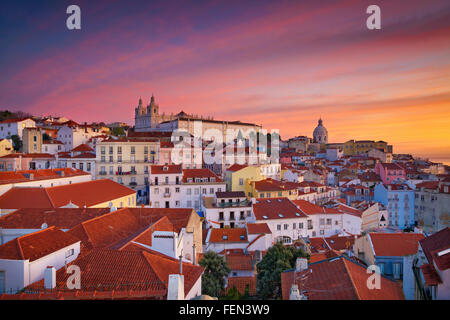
(228, 235)
(258, 228)
(82, 194)
(395, 244)
(430, 275)
(199, 173)
(16, 120)
(428, 185)
(36, 245)
(241, 283)
(118, 271)
(239, 262)
(276, 208)
(274, 185)
(82, 148)
(64, 218)
(237, 167)
(166, 169)
(338, 278)
(7, 177)
(434, 244)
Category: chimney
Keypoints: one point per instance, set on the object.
(294, 294)
(301, 264)
(175, 290)
(50, 277)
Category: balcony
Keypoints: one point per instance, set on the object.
(245, 203)
(102, 173)
(133, 184)
(166, 194)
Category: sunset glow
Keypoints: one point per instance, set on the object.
(282, 64)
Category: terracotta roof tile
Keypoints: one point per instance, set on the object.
(395, 244)
(258, 228)
(36, 245)
(64, 218)
(228, 235)
(276, 208)
(338, 278)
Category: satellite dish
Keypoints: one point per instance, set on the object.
(44, 226)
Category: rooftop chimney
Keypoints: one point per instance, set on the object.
(301, 264)
(181, 263)
(50, 278)
(175, 290)
(294, 294)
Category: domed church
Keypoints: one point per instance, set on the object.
(320, 134)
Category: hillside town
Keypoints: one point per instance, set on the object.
(184, 206)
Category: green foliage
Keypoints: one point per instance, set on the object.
(17, 143)
(233, 294)
(216, 269)
(118, 131)
(46, 137)
(277, 259)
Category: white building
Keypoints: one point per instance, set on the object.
(226, 209)
(12, 127)
(174, 187)
(24, 260)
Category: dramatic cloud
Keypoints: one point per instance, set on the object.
(282, 64)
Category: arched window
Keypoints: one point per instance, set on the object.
(283, 239)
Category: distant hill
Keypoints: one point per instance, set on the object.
(6, 114)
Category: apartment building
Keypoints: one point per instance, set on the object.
(172, 186)
(127, 161)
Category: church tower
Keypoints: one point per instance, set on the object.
(146, 118)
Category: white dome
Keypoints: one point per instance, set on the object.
(320, 133)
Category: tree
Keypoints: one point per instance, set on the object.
(216, 269)
(277, 260)
(118, 131)
(17, 143)
(232, 294)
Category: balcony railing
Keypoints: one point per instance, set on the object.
(245, 203)
(167, 194)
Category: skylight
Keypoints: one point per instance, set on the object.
(265, 217)
(280, 215)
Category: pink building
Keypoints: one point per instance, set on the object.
(390, 172)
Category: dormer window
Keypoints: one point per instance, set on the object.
(225, 237)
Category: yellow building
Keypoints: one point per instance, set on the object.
(269, 188)
(6, 147)
(127, 160)
(32, 140)
(237, 176)
(356, 147)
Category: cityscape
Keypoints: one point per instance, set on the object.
(192, 160)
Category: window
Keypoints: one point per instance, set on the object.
(293, 226)
(381, 266)
(177, 190)
(70, 253)
(329, 222)
(285, 226)
(241, 181)
(397, 270)
(188, 191)
(2, 282)
(322, 221)
(279, 227)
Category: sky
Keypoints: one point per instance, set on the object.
(282, 64)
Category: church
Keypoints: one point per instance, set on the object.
(148, 119)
